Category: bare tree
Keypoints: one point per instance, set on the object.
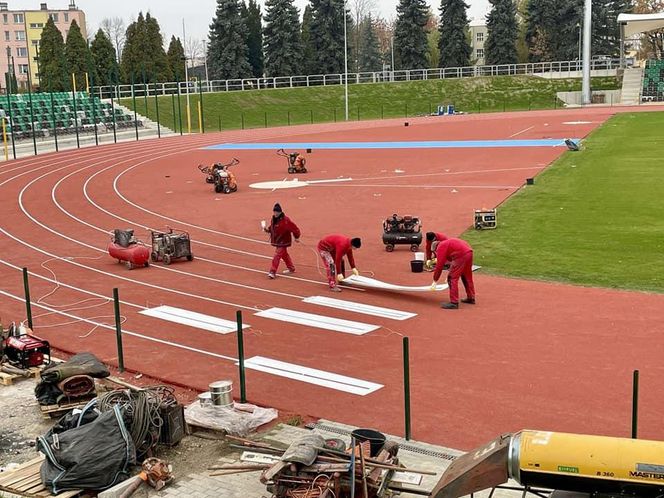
(116, 29)
(194, 49)
(359, 10)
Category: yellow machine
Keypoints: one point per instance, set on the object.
(559, 461)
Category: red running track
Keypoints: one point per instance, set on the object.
(529, 355)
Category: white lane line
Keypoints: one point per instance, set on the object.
(366, 309)
(317, 321)
(124, 332)
(193, 319)
(426, 186)
(312, 376)
(522, 131)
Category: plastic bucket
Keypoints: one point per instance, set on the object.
(221, 393)
(375, 438)
(419, 256)
(417, 266)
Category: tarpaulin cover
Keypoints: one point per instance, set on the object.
(48, 392)
(94, 456)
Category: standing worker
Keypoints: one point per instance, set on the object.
(431, 238)
(332, 250)
(460, 255)
(282, 231)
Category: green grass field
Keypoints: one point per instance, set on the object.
(280, 107)
(593, 218)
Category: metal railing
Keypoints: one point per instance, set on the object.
(538, 68)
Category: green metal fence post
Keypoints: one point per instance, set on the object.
(635, 403)
(200, 91)
(78, 139)
(240, 355)
(156, 104)
(406, 386)
(179, 107)
(118, 329)
(133, 98)
(32, 113)
(55, 124)
(28, 304)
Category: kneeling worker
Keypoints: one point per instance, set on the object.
(332, 250)
(431, 237)
(460, 255)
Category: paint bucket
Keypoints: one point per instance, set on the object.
(221, 393)
(205, 399)
(417, 266)
(376, 439)
(419, 256)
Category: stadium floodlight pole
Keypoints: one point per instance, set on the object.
(186, 77)
(392, 53)
(346, 59)
(207, 76)
(587, 28)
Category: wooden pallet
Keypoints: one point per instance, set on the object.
(49, 411)
(7, 379)
(25, 480)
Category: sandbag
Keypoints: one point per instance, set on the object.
(94, 456)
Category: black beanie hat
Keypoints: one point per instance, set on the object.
(277, 208)
(430, 236)
(356, 242)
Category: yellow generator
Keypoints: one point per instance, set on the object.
(559, 461)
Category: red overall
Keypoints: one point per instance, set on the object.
(281, 231)
(332, 249)
(460, 255)
(427, 248)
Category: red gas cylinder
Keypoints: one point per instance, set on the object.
(134, 255)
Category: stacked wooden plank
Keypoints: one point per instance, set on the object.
(25, 480)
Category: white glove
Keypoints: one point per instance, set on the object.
(434, 285)
(356, 272)
(297, 241)
(340, 277)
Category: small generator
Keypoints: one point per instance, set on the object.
(24, 350)
(402, 230)
(485, 219)
(167, 246)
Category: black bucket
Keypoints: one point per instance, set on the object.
(417, 266)
(375, 438)
(530, 181)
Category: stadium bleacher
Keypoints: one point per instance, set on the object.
(653, 81)
(61, 113)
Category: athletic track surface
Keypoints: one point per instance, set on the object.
(528, 355)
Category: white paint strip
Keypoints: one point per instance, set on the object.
(312, 376)
(366, 309)
(250, 456)
(318, 321)
(192, 319)
(522, 131)
(372, 283)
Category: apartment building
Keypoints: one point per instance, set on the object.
(478, 36)
(20, 32)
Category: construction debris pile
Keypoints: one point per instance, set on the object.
(313, 467)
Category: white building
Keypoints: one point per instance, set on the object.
(478, 36)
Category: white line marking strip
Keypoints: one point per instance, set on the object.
(366, 309)
(522, 131)
(193, 319)
(312, 376)
(318, 321)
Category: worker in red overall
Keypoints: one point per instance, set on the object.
(431, 237)
(460, 256)
(282, 231)
(332, 250)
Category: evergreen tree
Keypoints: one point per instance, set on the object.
(410, 37)
(228, 52)
(565, 28)
(78, 56)
(251, 14)
(326, 31)
(455, 50)
(369, 57)
(500, 46)
(541, 17)
(103, 55)
(52, 63)
(308, 49)
(282, 41)
(175, 56)
(155, 63)
(133, 53)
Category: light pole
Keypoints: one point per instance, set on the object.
(578, 25)
(207, 77)
(346, 59)
(392, 54)
(186, 77)
(587, 29)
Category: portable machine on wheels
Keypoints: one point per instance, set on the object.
(221, 176)
(402, 230)
(126, 249)
(22, 349)
(297, 163)
(167, 246)
(485, 219)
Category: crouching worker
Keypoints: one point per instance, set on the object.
(282, 231)
(460, 256)
(431, 237)
(332, 250)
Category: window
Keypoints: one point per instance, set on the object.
(480, 36)
(5, 18)
(22, 69)
(54, 17)
(20, 35)
(18, 19)
(21, 51)
(7, 38)
(35, 25)
(480, 53)
(66, 14)
(35, 43)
